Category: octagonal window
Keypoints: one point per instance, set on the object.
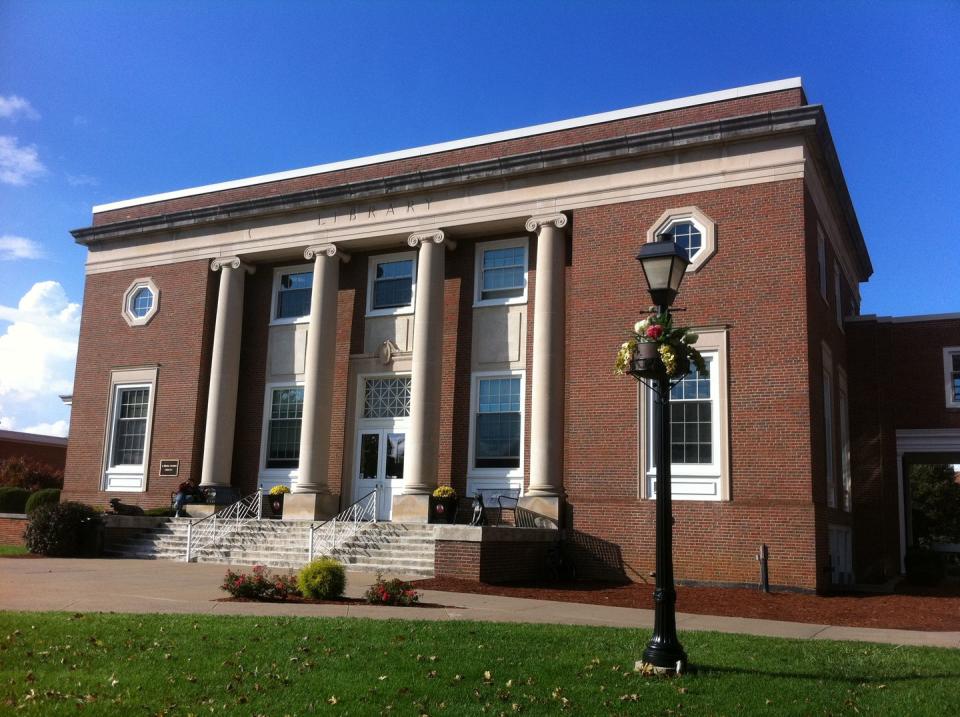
(692, 230)
(140, 302)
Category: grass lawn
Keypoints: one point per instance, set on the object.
(13, 550)
(57, 663)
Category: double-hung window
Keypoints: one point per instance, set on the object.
(951, 375)
(828, 428)
(698, 434)
(497, 429)
(391, 284)
(283, 427)
(291, 294)
(127, 445)
(501, 276)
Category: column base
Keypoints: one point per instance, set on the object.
(310, 506)
(220, 494)
(411, 509)
(548, 506)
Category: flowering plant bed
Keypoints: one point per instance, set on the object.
(260, 585)
(656, 346)
(392, 592)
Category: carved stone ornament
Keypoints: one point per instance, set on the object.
(436, 236)
(231, 262)
(387, 351)
(534, 224)
(331, 250)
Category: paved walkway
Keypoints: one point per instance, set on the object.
(156, 586)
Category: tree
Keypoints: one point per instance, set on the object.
(935, 502)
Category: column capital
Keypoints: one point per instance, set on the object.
(436, 236)
(535, 223)
(231, 262)
(331, 250)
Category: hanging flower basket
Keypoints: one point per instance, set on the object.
(657, 349)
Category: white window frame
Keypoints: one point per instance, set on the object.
(128, 478)
(371, 276)
(509, 243)
(846, 471)
(829, 424)
(495, 478)
(270, 477)
(948, 353)
(277, 273)
(822, 261)
(692, 481)
(126, 310)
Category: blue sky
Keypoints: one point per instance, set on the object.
(131, 98)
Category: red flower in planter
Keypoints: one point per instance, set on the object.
(654, 331)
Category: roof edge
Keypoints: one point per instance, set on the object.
(532, 130)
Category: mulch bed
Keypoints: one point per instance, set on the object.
(299, 600)
(24, 556)
(930, 609)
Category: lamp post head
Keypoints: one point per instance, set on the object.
(664, 264)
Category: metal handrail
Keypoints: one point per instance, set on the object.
(325, 537)
(207, 531)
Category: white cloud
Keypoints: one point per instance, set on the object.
(38, 352)
(57, 428)
(14, 247)
(82, 180)
(18, 164)
(14, 107)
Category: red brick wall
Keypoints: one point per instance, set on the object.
(750, 285)
(11, 530)
(674, 118)
(491, 562)
(176, 339)
(897, 384)
(55, 456)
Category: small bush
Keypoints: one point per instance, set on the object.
(158, 512)
(924, 566)
(323, 579)
(64, 529)
(13, 500)
(46, 496)
(444, 491)
(260, 585)
(391, 592)
(24, 472)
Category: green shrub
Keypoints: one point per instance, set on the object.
(46, 496)
(323, 579)
(158, 512)
(24, 472)
(65, 529)
(924, 566)
(13, 500)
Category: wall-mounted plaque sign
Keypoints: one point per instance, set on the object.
(170, 468)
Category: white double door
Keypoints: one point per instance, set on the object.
(379, 464)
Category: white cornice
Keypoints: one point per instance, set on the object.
(587, 120)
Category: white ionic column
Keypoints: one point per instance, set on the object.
(318, 376)
(423, 438)
(546, 424)
(224, 375)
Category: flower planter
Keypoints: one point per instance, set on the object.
(443, 510)
(646, 361)
(276, 505)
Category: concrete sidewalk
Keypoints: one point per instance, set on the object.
(155, 586)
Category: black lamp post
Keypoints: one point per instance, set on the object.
(663, 265)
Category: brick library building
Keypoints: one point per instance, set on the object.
(449, 315)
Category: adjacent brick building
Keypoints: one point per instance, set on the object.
(449, 315)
